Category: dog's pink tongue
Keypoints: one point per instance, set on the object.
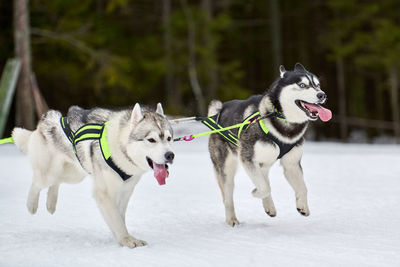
(323, 113)
(160, 172)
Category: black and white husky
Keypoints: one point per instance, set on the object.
(115, 147)
(282, 115)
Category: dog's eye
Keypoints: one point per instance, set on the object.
(302, 85)
(151, 140)
(169, 138)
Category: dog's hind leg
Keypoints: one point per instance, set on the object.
(294, 175)
(225, 165)
(52, 196)
(33, 198)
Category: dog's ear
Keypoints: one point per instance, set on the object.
(136, 115)
(159, 109)
(282, 70)
(298, 67)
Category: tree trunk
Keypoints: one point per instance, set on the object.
(212, 63)
(394, 96)
(193, 78)
(170, 91)
(40, 104)
(342, 97)
(275, 23)
(24, 103)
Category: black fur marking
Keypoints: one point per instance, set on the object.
(232, 111)
(52, 131)
(291, 130)
(147, 134)
(44, 116)
(299, 68)
(91, 150)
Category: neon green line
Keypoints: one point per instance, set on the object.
(105, 149)
(85, 136)
(6, 140)
(233, 137)
(227, 128)
(263, 126)
(281, 119)
(241, 125)
(97, 127)
(247, 122)
(218, 131)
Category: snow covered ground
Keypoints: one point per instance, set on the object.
(354, 197)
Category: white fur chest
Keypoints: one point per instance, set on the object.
(265, 152)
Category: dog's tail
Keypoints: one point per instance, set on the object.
(214, 107)
(21, 138)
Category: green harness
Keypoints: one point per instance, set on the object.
(93, 132)
(212, 123)
(6, 140)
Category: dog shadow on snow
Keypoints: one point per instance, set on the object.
(77, 238)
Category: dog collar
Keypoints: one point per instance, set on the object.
(93, 132)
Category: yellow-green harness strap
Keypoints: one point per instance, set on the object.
(248, 121)
(93, 132)
(216, 128)
(6, 140)
(227, 135)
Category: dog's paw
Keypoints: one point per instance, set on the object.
(131, 242)
(302, 207)
(32, 207)
(51, 208)
(232, 221)
(271, 212)
(269, 206)
(304, 211)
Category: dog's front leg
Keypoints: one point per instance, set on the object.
(261, 182)
(294, 175)
(107, 201)
(124, 194)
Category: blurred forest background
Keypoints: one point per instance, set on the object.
(183, 53)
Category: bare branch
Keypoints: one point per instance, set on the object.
(68, 38)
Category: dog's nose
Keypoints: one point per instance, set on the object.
(169, 156)
(321, 96)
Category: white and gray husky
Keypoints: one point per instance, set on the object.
(282, 115)
(115, 147)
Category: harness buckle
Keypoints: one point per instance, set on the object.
(254, 119)
(190, 138)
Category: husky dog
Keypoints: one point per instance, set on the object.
(284, 111)
(65, 150)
